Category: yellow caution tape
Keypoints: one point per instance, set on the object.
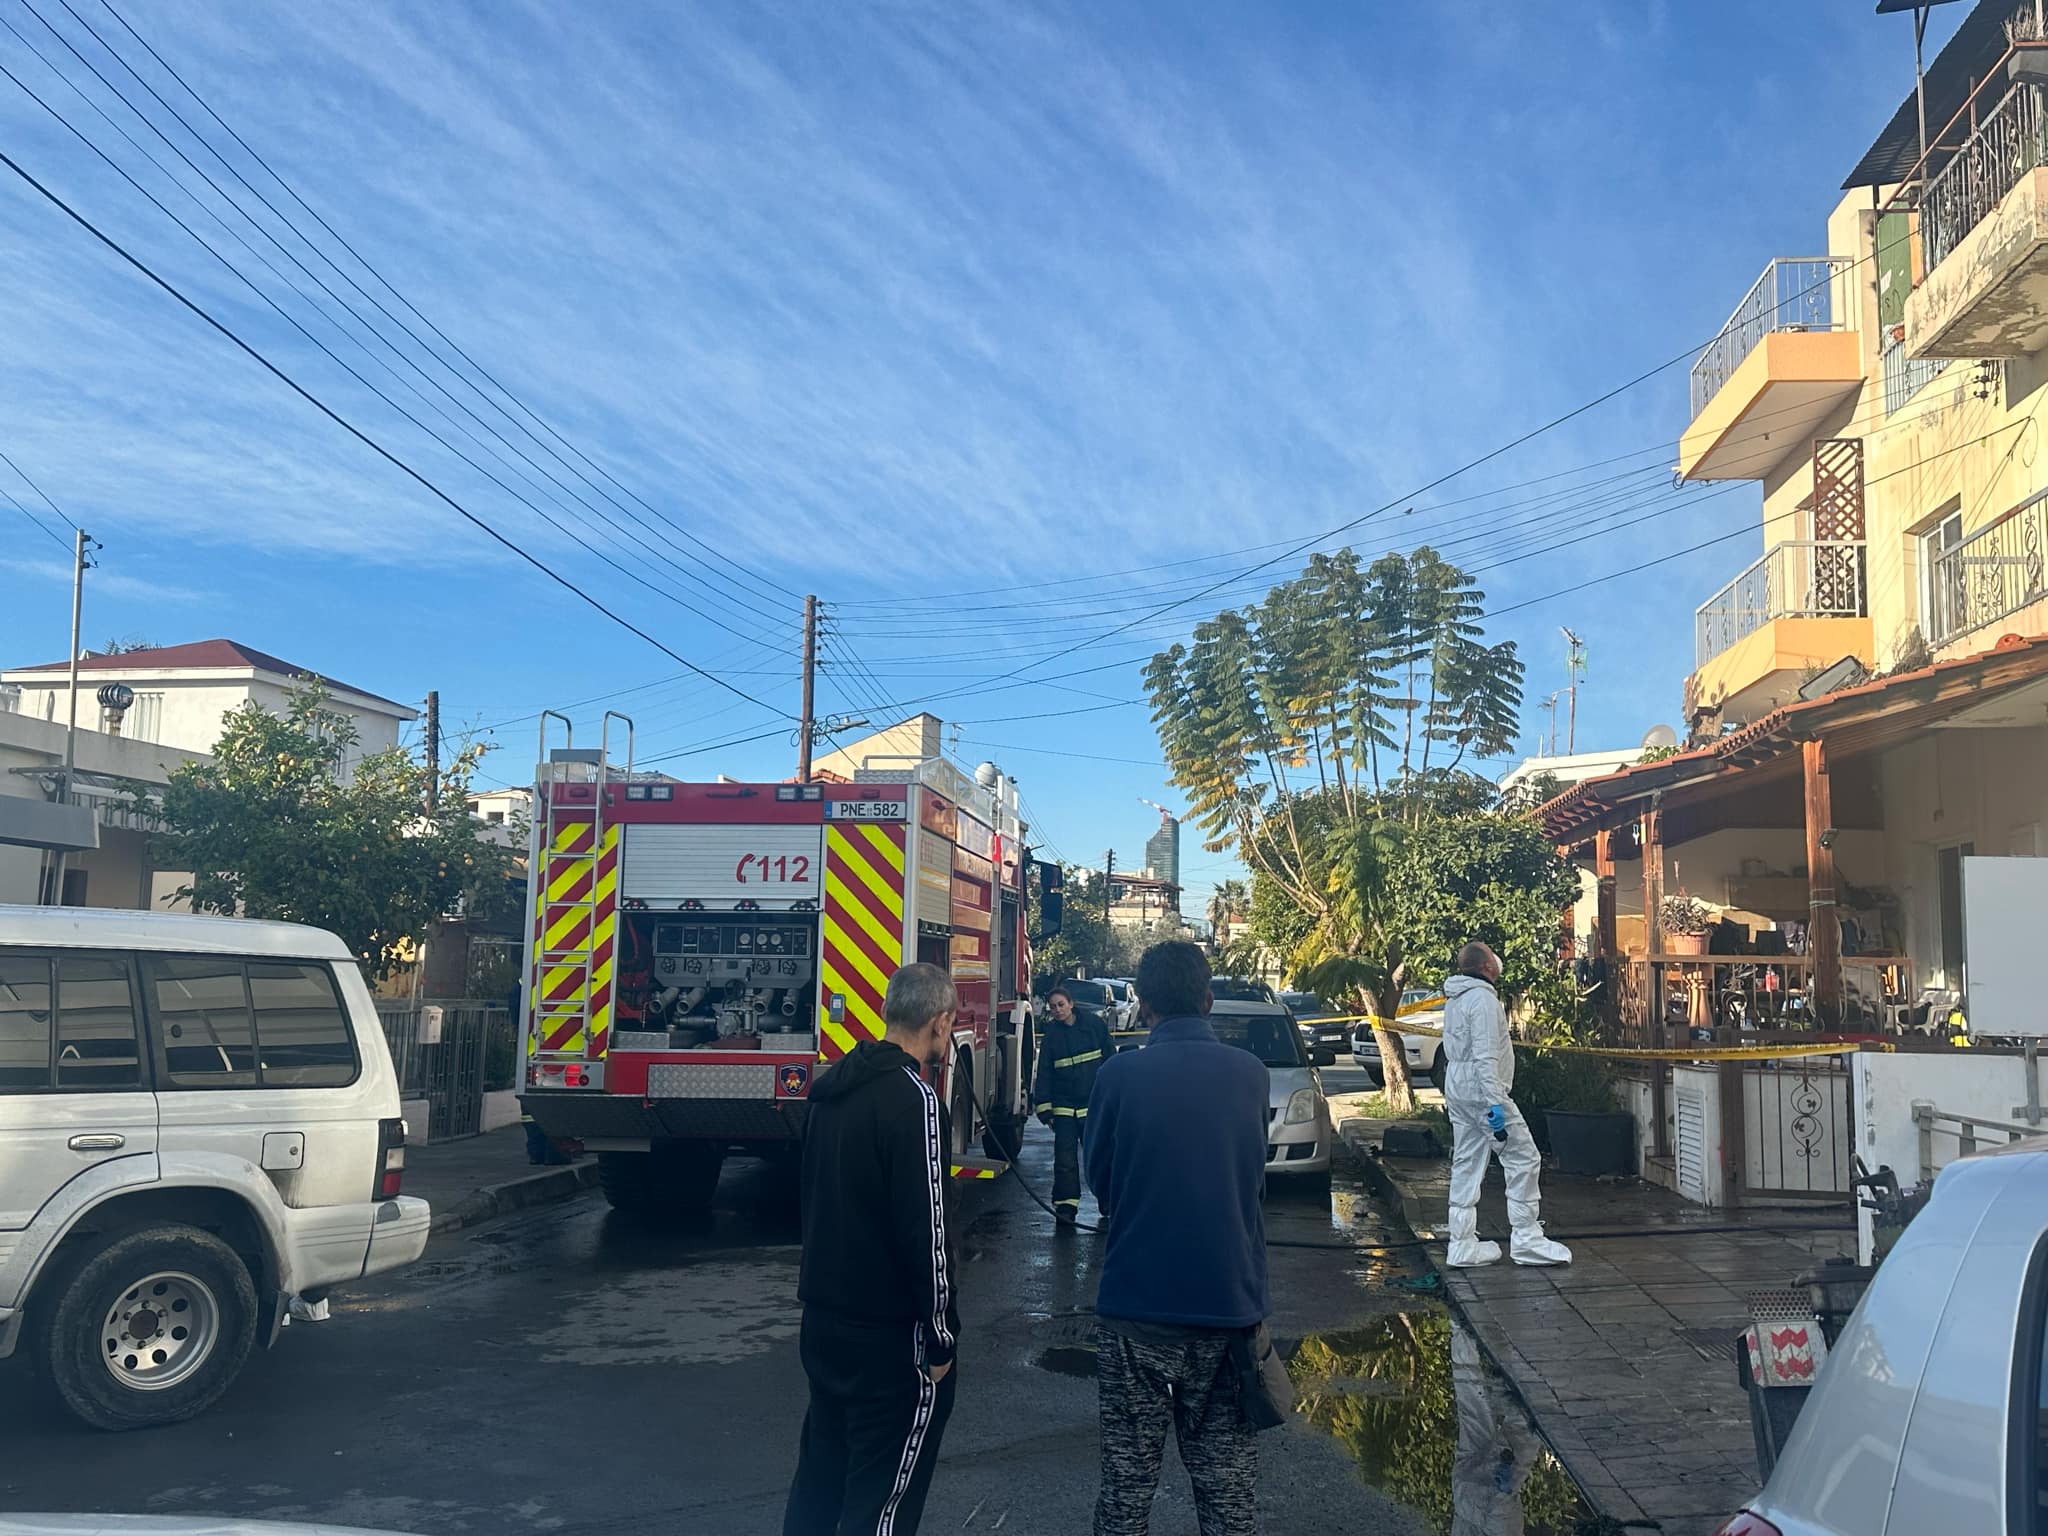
(1646, 1053)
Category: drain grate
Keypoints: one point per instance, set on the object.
(1711, 1343)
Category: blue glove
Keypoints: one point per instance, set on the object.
(1496, 1119)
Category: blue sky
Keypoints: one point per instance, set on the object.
(891, 302)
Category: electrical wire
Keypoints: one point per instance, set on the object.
(359, 434)
(657, 590)
(14, 501)
(710, 550)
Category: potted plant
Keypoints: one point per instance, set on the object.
(1684, 921)
(1574, 1111)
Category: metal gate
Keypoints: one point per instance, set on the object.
(1796, 1134)
(448, 1073)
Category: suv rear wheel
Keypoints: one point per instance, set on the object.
(150, 1327)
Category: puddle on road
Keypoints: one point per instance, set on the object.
(1413, 1401)
(1428, 1422)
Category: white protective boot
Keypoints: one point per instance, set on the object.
(1528, 1245)
(1468, 1250)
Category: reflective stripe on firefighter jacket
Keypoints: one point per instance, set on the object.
(1069, 1056)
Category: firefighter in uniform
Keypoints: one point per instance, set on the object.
(1071, 1052)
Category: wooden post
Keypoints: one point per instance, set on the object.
(1824, 928)
(1605, 944)
(1653, 941)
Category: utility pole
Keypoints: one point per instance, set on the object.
(1108, 874)
(433, 750)
(806, 727)
(1575, 665)
(78, 566)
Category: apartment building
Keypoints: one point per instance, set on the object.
(1868, 705)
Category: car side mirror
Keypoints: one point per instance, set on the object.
(1323, 1056)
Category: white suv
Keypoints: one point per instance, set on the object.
(199, 1135)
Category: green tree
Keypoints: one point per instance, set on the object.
(276, 827)
(1086, 941)
(1315, 730)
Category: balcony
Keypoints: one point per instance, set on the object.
(1802, 606)
(1787, 358)
(1984, 240)
(1991, 575)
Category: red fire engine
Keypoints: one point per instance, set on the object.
(696, 954)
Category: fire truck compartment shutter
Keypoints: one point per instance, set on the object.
(723, 864)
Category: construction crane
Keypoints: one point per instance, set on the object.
(1162, 810)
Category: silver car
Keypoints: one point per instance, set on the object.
(1928, 1415)
(1299, 1133)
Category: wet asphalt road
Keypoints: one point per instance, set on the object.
(569, 1370)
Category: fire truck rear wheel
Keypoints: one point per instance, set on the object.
(677, 1178)
(962, 1112)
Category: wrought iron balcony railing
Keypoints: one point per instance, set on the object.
(1795, 293)
(1995, 571)
(2007, 143)
(1799, 579)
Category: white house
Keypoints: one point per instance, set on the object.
(103, 833)
(184, 692)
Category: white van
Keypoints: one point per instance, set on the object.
(199, 1128)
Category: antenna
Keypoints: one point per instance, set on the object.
(1575, 668)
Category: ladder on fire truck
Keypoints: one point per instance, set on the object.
(575, 869)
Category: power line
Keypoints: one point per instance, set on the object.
(291, 320)
(363, 437)
(14, 501)
(709, 549)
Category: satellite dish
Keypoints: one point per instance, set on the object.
(1659, 736)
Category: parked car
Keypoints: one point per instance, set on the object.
(1124, 1002)
(202, 1137)
(1242, 989)
(1299, 1132)
(1424, 1053)
(1320, 1025)
(1930, 1413)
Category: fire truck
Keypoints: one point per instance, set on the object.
(697, 954)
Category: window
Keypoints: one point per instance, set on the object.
(24, 1023)
(146, 717)
(1941, 586)
(1949, 894)
(202, 1006)
(96, 1024)
(302, 1029)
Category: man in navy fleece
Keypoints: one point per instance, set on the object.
(1176, 1155)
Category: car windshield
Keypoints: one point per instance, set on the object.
(1236, 989)
(1087, 994)
(1305, 1005)
(1270, 1037)
(1419, 995)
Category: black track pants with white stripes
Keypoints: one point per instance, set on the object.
(871, 1435)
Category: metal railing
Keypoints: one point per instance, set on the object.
(1995, 571)
(477, 1052)
(1970, 1131)
(1905, 377)
(2009, 142)
(1795, 293)
(1798, 579)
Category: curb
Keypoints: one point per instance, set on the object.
(543, 1188)
(1614, 1504)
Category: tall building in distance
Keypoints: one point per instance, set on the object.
(1162, 850)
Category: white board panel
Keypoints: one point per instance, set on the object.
(722, 863)
(2005, 914)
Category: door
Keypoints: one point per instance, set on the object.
(1949, 866)
(256, 1061)
(74, 1092)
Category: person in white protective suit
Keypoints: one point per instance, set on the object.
(1497, 1450)
(1485, 1120)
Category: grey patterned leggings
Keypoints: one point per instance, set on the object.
(1143, 1387)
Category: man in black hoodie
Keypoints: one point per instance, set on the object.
(880, 1319)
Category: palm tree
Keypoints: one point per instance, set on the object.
(1229, 904)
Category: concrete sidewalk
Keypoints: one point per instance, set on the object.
(483, 1176)
(1625, 1357)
